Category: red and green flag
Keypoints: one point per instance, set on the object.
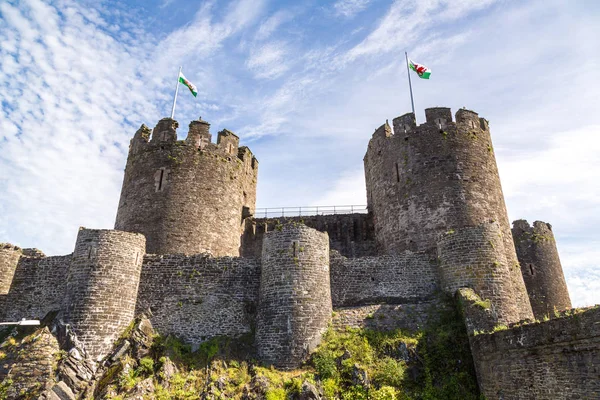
(189, 84)
(420, 69)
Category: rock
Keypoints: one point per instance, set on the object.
(120, 352)
(309, 392)
(221, 383)
(62, 391)
(169, 369)
(359, 376)
(259, 385)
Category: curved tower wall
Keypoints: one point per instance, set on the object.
(295, 295)
(425, 180)
(541, 268)
(102, 286)
(9, 258)
(475, 257)
(187, 196)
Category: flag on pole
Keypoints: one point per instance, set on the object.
(189, 84)
(421, 70)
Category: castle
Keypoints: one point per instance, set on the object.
(188, 247)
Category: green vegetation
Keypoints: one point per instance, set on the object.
(432, 363)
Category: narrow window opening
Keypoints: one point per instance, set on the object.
(531, 269)
(137, 257)
(90, 253)
(295, 248)
(397, 173)
(160, 180)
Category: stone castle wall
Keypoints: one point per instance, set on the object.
(38, 287)
(295, 295)
(556, 359)
(102, 286)
(541, 268)
(187, 196)
(198, 297)
(404, 278)
(352, 235)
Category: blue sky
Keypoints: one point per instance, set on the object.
(304, 84)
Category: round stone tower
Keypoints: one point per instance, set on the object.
(102, 286)
(9, 258)
(541, 269)
(187, 196)
(295, 295)
(423, 181)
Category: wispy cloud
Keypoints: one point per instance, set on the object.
(349, 8)
(268, 61)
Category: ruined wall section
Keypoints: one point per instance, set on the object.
(187, 196)
(102, 286)
(352, 235)
(541, 268)
(475, 257)
(198, 297)
(9, 257)
(556, 359)
(395, 279)
(38, 287)
(439, 176)
(295, 297)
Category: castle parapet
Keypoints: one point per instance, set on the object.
(439, 116)
(199, 134)
(165, 131)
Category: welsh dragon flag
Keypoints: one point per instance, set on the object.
(189, 84)
(421, 70)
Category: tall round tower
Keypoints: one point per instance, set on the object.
(423, 181)
(102, 286)
(294, 306)
(187, 196)
(540, 266)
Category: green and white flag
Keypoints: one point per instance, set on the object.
(421, 70)
(189, 84)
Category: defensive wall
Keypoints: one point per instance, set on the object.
(189, 196)
(555, 359)
(352, 235)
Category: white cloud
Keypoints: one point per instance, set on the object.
(349, 8)
(268, 60)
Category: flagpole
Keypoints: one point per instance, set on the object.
(412, 102)
(176, 90)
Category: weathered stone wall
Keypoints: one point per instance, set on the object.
(295, 298)
(187, 196)
(556, 359)
(198, 297)
(475, 257)
(102, 286)
(9, 257)
(425, 180)
(403, 278)
(385, 317)
(39, 286)
(540, 267)
(352, 235)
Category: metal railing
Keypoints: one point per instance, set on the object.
(275, 212)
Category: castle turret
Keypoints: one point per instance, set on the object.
(425, 180)
(102, 286)
(295, 295)
(9, 258)
(541, 269)
(187, 196)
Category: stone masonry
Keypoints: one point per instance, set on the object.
(295, 295)
(541, 269)
(190, 250)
